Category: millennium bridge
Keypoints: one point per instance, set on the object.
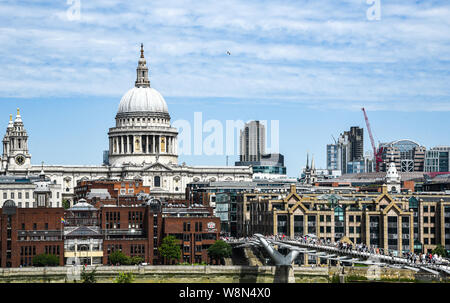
(341, 255)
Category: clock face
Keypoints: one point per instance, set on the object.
(20, 160)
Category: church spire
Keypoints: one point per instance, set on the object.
(307, 160)
(142, 71)
(10, 124)
(18, 117)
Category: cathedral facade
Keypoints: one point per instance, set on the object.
(142, 145)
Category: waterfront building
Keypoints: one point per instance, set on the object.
(399, 222)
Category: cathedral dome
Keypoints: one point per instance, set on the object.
(142, 99)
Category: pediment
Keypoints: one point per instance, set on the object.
(158, 166)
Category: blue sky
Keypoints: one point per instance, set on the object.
(310, 64)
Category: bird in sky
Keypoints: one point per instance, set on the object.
(228, 53)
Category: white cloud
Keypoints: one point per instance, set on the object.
(314, 52)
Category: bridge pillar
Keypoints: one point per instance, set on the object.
(284, 274)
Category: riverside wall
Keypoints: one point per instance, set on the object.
(196, 274)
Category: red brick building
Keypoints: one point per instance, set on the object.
(26, 232)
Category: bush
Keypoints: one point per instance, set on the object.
(120, 258)
(353, 278)
(124, 278)
(169, 249)
(46, 260)
(220, 249)
(136, 260)
(440, 250)
(88, 277)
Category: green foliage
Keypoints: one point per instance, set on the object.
(353, 278)
(88, 277)
(220, 249)
(440, 250)
(124, 278)
(136, 260)
(120, 258)
(45, 260)
(169, 248)
(335, 279)
(66, 204)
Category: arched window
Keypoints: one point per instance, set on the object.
(157, 181)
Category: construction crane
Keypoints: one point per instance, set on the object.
(376, 154)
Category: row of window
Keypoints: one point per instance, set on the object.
(35, 226)
(20, 196)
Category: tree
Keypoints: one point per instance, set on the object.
(45, 260)
(440, 250)
(119, 257)
(66, 204)
(88, 277)
(220, 249)
(124, 278)
(136, 260)
(169, 249)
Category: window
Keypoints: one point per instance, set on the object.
(157, 182)
(425, 209)
(358, 218)
(322, 218)
(432, 209)
(5, 196)
(27, 195)
(351, 218)
(19, 196)
(12, 195)
(425, 219)
(34, 226)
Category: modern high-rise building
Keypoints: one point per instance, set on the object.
(253, 141)
(348, 148)
(437, 159)
(332, 156)
(356, 138)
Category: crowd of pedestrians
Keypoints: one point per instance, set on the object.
(413, 258)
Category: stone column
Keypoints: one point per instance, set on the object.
(154, 146)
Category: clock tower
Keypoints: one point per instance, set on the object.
(15, 146)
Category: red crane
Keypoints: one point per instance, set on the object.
(376, 154)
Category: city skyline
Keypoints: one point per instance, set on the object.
(313, 69)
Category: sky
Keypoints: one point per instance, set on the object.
(311, 65)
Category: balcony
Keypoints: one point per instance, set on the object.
(394, 225)
(39, 235)
(374, 225)
(123, 232)
(394, 236)
(405, 237)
